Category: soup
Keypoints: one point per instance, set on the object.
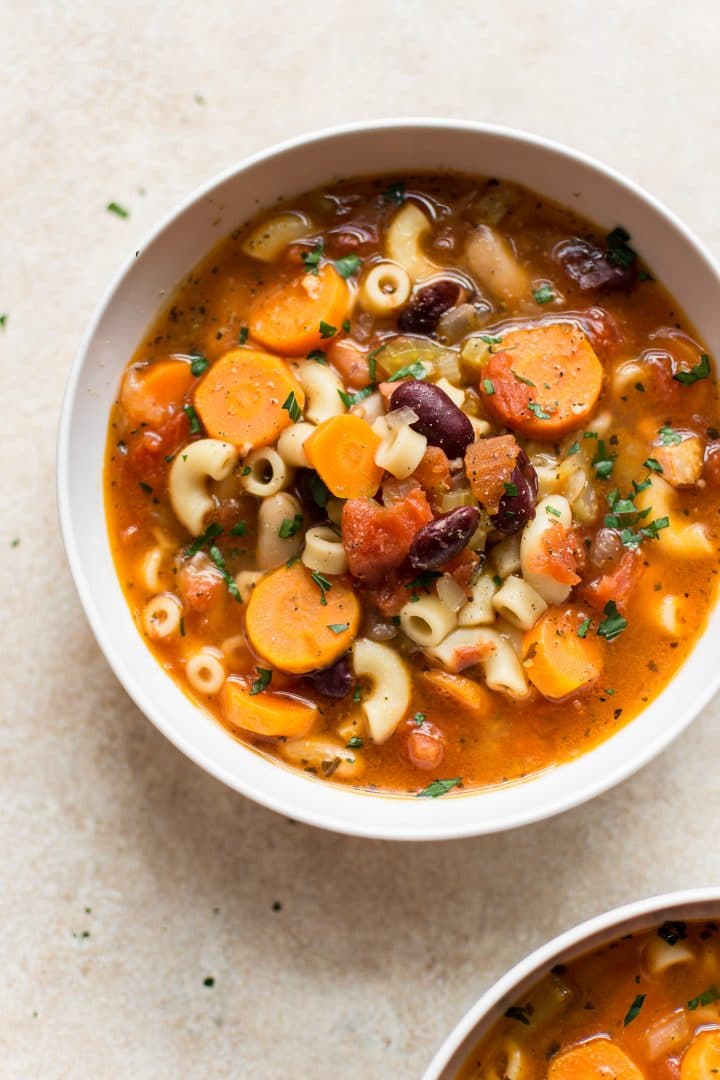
(413, 485)
(646, 1007)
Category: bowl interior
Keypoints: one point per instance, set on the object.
(131, 303)
(454, 1052)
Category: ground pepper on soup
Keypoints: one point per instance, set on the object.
(414, 484)
(644, 1007)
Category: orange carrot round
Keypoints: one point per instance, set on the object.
(266, 714)
(543, 381)
(241, 397)
(300, 315)
(298, 621)
(342, 451)
(596, 1059)
(150, 391)
(558, 660)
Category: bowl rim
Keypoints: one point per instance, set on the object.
(419, 829)
(578, 939)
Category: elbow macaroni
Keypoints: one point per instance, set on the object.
(291, 444)
(273, 549)
(385, 288)
(518, 603)
(199, 462)
(501, 667)
(389, 697)
(554, 592)
(321, 386)
(268, 240)
(324, 551)
(404, 241)
(268, 474)
(427, 620)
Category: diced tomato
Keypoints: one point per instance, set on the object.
(424, 744)
(391, 595)
(560, 555)
(462, 568)
(377, 538)
(150, 447)
(615, 585)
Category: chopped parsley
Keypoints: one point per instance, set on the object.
(653, 465)
(262, 682)
(243, 335)
(544, 294)
(348, 265)
(354, 742)
(217, 557)
(700, 371)
(192, 416)
(15, 543)
(346, 326)
(613, 624)
(438, 787)
(145, 487)
(290, 526)
(510, 489)
(323, 585)
(584, 627)
(538, 410)
(490, 340)
(311, 259)
(117, 209)
(517, 1012)
(198, 364)
(349, 400)
(182, 626)
(422, 581)
(497, 581)
(574, 449)
(338, 627)
(419, 718)
(207, 537)
(318, 356)
(673, 931)
(239, 529)
(669, 436)
(410, 371)
(318, 491)
(522, 379)
(603, 462)
(394, 193)
(619, 253)
(488, 386)
(290, 404)
(3, 321)
(706, 998)
(326, 330)
(552, 510)
(357, 695)
(246, 471)
(634, 1010)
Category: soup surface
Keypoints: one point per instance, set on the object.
(646, 1007)
(414, 483)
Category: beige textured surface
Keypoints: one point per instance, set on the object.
(126, 875)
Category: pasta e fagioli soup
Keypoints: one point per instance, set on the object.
(643, 1007)
(414, 483)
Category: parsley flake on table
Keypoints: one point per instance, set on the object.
(117, 209)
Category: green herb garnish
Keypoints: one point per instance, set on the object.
(290, 404)
(634, 1010)
(290, 527)
(318, 356)
(584, 627)
(198, 364)
(192, 416)
(243, 335)
(544, 294)
(116, 208)
(438, 787)
(613, 624)
(326, 330)
(706, 998)
(619, 253)
(700, 371)
(538, 410)
(488, 386)
(207, 537)
(262, 682)
(338, 627)
(311, 259)
(410, 371)
(323, 585)
(669, 436)
(522, 379)
(395, 193)
(354, 742)
(653, 465)
(348, 265)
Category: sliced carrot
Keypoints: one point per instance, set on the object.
(342, 451)
(558, 661)
(241, 398)
(701, 1060)
(266, 714)
(150, 391)
(299, 621)
(287, 318)
(462, 692)
(544, 382)
(597, 1059)
(433, 472)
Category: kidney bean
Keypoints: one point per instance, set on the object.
(421, 315)
(442, 539)
(439, 419)
(605, 549)
(590, 268)
(515, 511)
(424, 744)
(335, 681)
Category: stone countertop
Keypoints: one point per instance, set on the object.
(129, 878)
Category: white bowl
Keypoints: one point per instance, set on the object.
(689, 905)
(130, 304)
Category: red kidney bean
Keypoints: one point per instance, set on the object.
(334, 682)
(424, 744)
(421, 315)
(442, 539)
(590, 268)
(439, 419)
(516, 510)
